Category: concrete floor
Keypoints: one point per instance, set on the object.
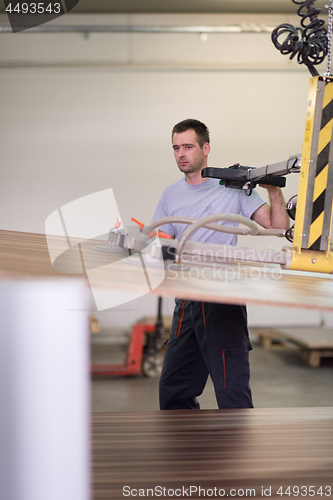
(279, 379)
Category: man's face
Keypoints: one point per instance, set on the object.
(190, 157)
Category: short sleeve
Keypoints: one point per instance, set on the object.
(249, 204)
(161, 212)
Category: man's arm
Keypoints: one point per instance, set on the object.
(273, 216)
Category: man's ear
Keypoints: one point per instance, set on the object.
(206, 148)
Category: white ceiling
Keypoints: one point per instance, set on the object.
(209, 6)
(187, 6)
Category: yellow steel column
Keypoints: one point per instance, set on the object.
(314, 202)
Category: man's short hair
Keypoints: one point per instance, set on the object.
(199, 128)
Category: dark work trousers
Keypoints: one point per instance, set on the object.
(206, 339)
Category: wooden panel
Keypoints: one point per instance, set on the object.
(24, 254)
(27, 254)
(229, 449)
(229, 284)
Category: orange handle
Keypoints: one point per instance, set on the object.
(141, 226)
(160, 233)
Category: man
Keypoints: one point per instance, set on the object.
(206, 338)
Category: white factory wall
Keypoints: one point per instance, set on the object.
(84, 113)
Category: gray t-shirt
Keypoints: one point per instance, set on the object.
(200, 200)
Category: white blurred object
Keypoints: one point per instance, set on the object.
(44, 390)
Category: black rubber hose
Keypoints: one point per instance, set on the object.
(309, 42)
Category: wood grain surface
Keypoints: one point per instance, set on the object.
(234, 450)
(229, 449)
(26, 254)
(231, 284)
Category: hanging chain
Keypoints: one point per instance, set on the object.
(329, 38)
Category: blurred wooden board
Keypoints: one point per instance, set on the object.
(231, 284)
(27, 254)
(24, 254)
(222, 449)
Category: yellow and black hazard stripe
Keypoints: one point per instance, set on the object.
(310, 251)
(315, 191)
(320, 181)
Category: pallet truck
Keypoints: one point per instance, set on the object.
(143, 354)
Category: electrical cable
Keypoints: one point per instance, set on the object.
(309, 42)
(290, 233)
(217, 227)
(253, 228)
(207, 222)
(190, 220)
